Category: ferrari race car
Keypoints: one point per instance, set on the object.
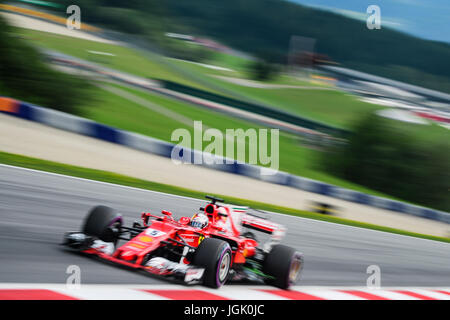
(210, 248)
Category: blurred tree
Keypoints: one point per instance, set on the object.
(262, 71)
(25, 76)
(408, 161)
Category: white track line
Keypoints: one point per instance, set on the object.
(243, 293)
(330, 294)
(431, 294)
(110, 293)
(388, 294)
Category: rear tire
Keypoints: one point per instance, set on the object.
(104, 223)
(284, 264)
(215, 256)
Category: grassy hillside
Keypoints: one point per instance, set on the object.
(248, 26)
(328, 106)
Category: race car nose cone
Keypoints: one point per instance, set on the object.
(128, 255)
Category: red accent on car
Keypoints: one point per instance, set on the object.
(184, 220)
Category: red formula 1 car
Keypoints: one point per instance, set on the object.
(209, 248)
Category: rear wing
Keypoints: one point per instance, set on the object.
(258, 223)
(252, 222)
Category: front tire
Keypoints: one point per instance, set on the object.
(215, 256)
(284, 264)
(104, 223)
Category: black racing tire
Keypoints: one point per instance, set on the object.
(104, 223)
(284, 264)
(215, 256)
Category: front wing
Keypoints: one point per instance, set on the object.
(156, 265)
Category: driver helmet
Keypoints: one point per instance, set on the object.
(199, 220)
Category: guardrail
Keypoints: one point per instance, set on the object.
(140, 142)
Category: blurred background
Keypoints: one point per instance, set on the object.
(367, 110)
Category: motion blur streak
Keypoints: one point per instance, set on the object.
(37, 208)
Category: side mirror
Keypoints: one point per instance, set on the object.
(184, 220)
(145, 216)
(167, 213)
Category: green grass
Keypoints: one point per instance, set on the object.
(220, 59)
(116, 111)
(241, 73)
(240, 68)
(331, 107)
(125, 59)
(121, 113)
(105, 176)
(228, 61)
